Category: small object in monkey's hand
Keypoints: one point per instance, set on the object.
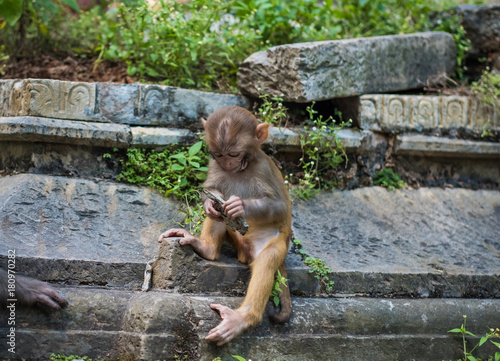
(236, 225)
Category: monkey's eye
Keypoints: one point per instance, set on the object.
(233, 155)
(217, 155)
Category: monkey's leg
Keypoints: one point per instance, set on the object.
(213, 234)
(263, 268)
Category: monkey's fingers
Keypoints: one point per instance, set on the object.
(48, 301)
(175, 232)
(231, 326)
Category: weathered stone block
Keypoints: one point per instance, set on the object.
(333, 69)
(50, 130)
(148, 137)
(414, 112)
(160, 105)
(53, 99)
(482, 25)
(444, 147)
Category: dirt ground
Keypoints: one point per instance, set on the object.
(68, 68)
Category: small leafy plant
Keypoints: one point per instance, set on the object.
(488, 89)
(494, 333)
(272, 110)
(318, 267)
(54, 357)
(279, 280)
(178, 172)
(322, 151)
(388, 179)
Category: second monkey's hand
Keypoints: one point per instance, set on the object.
(234, 208)
(187, 238)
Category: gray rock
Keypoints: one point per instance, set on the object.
(482, 25)
(429, 230)
(444, 147)
(333, 69)
(62, 131)
(387, 112)
(160, 105)
(81, 230)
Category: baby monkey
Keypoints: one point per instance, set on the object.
(242, 174)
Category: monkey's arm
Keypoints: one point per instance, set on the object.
(29, 292)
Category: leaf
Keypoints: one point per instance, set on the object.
(276, 301)
(11, 11)
(471, 358)
(483, 340)
(239, 358)
(151, 72)
(177, 167)
(180, 157)
(195, 148)
(72, 4)
(495, 343)
(363, 2)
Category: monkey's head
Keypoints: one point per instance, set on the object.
(234, 136)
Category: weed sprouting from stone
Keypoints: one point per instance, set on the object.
(493, 333)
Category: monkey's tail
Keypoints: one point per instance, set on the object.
(285, 302)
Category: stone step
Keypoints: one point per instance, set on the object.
(103, 323)
(377, 243)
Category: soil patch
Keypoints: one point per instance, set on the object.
(71, 68)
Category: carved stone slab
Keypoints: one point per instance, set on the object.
(413, 112)
(135, 104)
(51, 98)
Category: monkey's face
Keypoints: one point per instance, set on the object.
(231, 162)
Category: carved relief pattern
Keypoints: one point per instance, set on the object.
(395, 112)
(153, 107)
(425, 114)
(370, 113)
(454, 114)
(53, 98)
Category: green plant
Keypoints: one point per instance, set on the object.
(191, 44)
(388, 179)
(488, 88)
(494, 333)
(272, 110)
(178, 172)
(54, 357)
(279, 280)
(318, 267)
(29, 25)
(322, 151)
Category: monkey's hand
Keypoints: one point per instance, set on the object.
(234, 207)
(31, 291)
(210, 211)
(233, 323)
(187, 238)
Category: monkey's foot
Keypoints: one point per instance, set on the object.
(233, 323)
(187, 238)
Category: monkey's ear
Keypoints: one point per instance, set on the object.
(204, 122)
(262, 132)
